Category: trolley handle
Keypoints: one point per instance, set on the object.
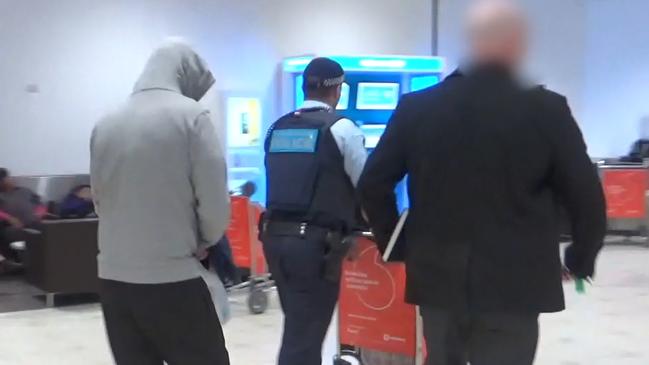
(360, 234)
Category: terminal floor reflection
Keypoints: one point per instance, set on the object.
(606, 326)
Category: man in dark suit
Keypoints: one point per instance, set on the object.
(487, 158)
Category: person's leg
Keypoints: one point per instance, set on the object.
(8, 235)
(308, 300)
(445, 335)
(215, 259)
(5, 250)
(222, 261)
(306, 322)
(504, 339)
(231, 268)
(128, 343)
(273, 249)
(181, 320)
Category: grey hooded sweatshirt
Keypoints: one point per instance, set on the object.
(158, 174)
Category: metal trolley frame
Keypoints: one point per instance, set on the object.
(243, 234)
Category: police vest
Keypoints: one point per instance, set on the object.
(305, 174)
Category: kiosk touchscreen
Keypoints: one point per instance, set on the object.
(243, 127)
(377, 96)
(372, 89)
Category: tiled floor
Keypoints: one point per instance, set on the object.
(607, 326)
(16, 294)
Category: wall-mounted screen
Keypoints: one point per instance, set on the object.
(377, 96)
(343, 104)
(422, 82)
(299, 93)
(373, 133)
(243, 121)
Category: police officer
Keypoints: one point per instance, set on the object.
(314, 159)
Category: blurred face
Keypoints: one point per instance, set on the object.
(516, 47)
(6, 184)
(498, 33)
(508, 48)
(85, 193)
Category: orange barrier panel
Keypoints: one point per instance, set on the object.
(243, 234)
(625, 191)
(373, 314)
(261, 267)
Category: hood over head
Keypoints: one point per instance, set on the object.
(175, 66)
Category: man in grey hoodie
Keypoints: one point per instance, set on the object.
(159, 184)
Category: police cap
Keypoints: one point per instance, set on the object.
(323, 73)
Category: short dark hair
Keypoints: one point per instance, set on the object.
(248, 189)
(4, 173)
(318, 92)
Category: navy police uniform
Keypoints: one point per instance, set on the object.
(310, 208)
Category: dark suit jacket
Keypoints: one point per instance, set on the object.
(486, 160)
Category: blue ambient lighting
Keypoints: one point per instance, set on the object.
(422, 82)
(410, 64)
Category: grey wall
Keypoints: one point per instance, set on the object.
(596, 52)
(616, 64)
(84, 55)
(558, 28)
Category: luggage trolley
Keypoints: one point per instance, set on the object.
(625, 187)
(243, 234)
(373, 317)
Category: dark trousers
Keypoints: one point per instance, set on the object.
(308, 299)
(480, 339)
(175, 323)
(9, 235)
(222, 261)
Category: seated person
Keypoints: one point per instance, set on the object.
(220, 257)
(248, 189)
(9, 259)
(20, 209)
(78, 203)
(221, 260)
(639, 151)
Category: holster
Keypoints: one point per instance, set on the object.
(336, 246)
(262, 224)
(337, 250)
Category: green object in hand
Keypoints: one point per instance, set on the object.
(580, 286)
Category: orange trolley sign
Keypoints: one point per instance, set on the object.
(242, 234)
(625, 191)
(373, 314)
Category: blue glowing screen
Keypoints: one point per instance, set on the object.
(377, 96)
(374, 63)
(422, 82)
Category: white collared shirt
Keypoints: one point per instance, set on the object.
(350, 140)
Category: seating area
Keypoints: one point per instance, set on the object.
(60, 257)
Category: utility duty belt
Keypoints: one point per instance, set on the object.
(337, 247)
